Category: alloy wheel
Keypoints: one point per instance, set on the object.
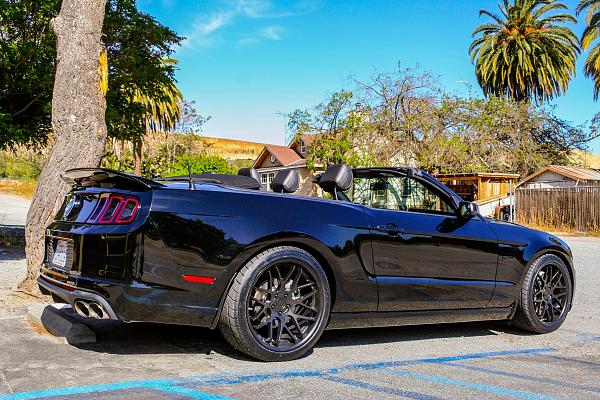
(550, 294)
(285, 306)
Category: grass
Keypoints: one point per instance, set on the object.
(560, 229)
(23, 188)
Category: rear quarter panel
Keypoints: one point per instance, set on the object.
(215, 231)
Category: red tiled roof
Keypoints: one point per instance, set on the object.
(284, 155)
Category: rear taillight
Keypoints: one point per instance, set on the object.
(115, 209)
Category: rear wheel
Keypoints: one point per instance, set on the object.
(546, 295)
(277, 306)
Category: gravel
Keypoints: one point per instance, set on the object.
(12, 269)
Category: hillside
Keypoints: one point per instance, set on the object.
(229, 149)
(587, 159)
(232, 149)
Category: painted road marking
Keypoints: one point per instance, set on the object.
(469, 385)
(574, 360)
(381, 389)
(186, 386)
(527, 377)
(163, 385)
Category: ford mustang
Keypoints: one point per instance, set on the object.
(272, 269)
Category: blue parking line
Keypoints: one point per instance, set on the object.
(165, 385)
(388, 364)
(186, 384)
(527, 377)
(381, 389)
(573, 360)
(469, 385)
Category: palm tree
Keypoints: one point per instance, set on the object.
(525, 53)
(162, 111)
(590, 34)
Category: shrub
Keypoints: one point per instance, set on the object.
(19, 167)
(199, 164)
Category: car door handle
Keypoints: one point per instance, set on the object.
(391, 229)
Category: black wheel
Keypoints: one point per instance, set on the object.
(546, 295)
(277, 306)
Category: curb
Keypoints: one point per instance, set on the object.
(11, 235)
(59, 323)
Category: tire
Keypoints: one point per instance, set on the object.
(268, 312)
(535, 302)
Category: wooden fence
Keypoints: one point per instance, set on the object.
(570, 209)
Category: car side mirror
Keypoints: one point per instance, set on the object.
(467, 210)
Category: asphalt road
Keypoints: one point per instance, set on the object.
(475, 360)
(13, 210)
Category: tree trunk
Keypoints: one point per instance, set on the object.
(78, 108)
(137, 156)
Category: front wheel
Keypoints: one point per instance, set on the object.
(546, 295)
(277, 306)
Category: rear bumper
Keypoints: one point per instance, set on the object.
(134, 302)
(71, 295)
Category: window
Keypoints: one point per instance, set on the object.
(302, 147)
(266, 179)
(398, 193)
(272, 159)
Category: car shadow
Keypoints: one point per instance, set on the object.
(116, 337)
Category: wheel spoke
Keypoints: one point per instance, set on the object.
(280, 325)
(308, 307)
(289, 274)
(306, 296)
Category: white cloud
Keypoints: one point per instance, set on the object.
(272, 32)
(208, 31)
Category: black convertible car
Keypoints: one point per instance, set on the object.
(272, 270)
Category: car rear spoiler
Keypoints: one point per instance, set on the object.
(97, 176)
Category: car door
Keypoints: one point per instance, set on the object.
(425, 256)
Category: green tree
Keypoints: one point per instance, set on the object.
(142, 95)
(589, 36)
(27, 66)
(525, 53)
(137, 47)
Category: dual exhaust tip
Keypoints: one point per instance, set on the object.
(90, 309)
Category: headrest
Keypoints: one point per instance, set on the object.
(338, 177)
(251, 172)
(286, 181)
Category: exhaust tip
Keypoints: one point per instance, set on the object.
(97, 311)
(81, 308)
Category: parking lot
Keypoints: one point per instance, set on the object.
(475, 360)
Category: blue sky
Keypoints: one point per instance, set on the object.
(245, 62)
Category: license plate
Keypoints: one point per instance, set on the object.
(60, 254)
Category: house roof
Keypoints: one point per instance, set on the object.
(286, 156)
(307, 138)
(575, 173)
(476, 175)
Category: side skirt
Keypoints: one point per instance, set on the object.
(380, 319)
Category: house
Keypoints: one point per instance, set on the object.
(274, 158)
(479, 186)
(492, 191)
(559, 176)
